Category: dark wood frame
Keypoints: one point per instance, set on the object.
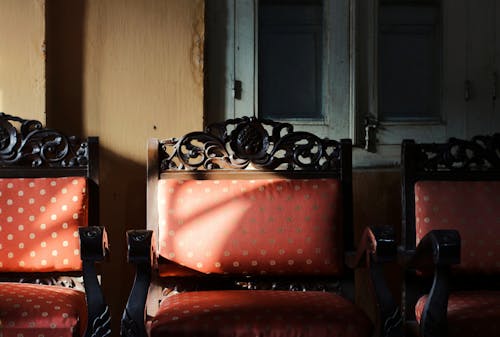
(30, 150)
(270, 149)
(477, 159)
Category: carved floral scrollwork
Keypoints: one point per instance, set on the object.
(62, 281)
(41, 147)
(479, 153)
(244, 142)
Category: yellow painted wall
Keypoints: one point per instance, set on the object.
(22, 60)
(124, 70)
(140, 79)
(127, 70)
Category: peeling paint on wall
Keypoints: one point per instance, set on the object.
(198, 43)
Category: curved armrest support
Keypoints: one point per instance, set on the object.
(437, 248)
(93, 243)
(94, 248)
(377, 247)
(141, 247)
(440, 249)
(376, 244)
(141, 252)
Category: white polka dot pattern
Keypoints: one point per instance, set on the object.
(470, 313)
(29, 310)
(261, 226)
(259, 313)
(472, 208)
(39, 220)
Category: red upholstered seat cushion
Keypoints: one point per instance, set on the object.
(470, 313)
(32, 310)
(473, 208)
(39, 220)
(263, 226)
(263, 313)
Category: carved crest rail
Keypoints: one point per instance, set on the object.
(250, 142)
(25, 141)
(479, 153)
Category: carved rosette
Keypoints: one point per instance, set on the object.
(245, 142)
(479, 153)
(31, 143)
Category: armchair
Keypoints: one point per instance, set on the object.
(248, 227)
(49, 238)
(450, 246)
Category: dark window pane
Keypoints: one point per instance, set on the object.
(290, 58)
(409, 67)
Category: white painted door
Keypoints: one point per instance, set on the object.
(332, 107)
(464, 92)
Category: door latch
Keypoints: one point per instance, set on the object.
(371, 125)
(237, 89)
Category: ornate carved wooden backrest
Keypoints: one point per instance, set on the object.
(39, 160)
(32, 145)
(50, 230)
(240, 143)
(244, 156)
(27, 149)
(453, 186)
(457, 160)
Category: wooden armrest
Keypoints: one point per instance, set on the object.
(94, 244)
(94, 248)
(437, 251)
(141, 247)
(437, 248)
(376, 247)
(142, 253)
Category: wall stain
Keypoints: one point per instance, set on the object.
(198, 44)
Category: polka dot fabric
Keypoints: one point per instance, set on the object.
(471, 313)
(473, 208)
(32, 310)
(275, 226)
(250, 313)
(39, 220)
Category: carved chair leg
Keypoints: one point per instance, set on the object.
(99, 319)
(434, 317)
(390, 318)
(132, 324)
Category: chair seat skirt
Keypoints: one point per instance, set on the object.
(263, 313)
(32, 310)
(470, 313)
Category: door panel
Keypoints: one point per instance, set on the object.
(480, 62)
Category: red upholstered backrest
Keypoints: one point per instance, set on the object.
(471, 207)
(262, 226)
(39, 220)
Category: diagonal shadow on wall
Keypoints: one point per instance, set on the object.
(64, 34)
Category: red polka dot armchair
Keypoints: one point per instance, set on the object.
(48, 198)
(248, 226)
(451, 231)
